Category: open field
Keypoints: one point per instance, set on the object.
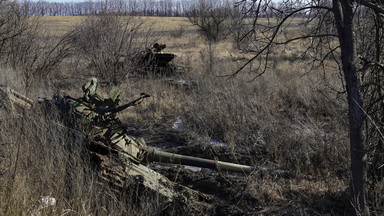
(288, 118)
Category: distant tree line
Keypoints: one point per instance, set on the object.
(166, 8)
(122, 7)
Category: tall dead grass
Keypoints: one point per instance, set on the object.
(287, 119)
(40, 158)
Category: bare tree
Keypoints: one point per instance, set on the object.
(23, 45)
(239, 26)
(13, 23)
(110, 44)
(340, 37)
(210, 17)
(370, 47)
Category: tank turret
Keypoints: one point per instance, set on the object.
(155, 56)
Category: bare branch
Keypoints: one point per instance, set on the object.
(277, 28)
(305, 37)
(376, 7)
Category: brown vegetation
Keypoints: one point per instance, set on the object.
(287, 119)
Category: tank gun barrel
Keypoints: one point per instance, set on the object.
(166, 157)
(22, 97)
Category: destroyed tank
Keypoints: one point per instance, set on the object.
(154, 60)
(96, 117)
(155, 56)
(117, 155)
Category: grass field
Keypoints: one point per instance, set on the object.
(288, 119)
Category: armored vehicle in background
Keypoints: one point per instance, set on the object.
(155, 56)
(154, 60)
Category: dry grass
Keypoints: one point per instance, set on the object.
(58, 26)
(284, 119)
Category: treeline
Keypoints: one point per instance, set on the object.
(166, 8)
(123, 7)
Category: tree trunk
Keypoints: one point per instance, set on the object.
(343, 12)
